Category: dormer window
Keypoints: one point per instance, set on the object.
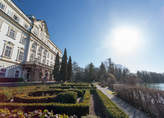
(16, 18)
(2, 6)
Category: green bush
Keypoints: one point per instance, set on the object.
(109, 109)
(66, 97)
(30, 99)
(79, 109)
(45, 92)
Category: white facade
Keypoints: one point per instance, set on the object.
(23, 40)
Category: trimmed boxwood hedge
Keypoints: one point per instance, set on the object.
(108, 108)
(70, 109)
(58, 96)
(66, 97)
(79, 109)
(70, 87)
(30, 99)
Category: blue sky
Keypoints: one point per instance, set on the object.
(83, 26)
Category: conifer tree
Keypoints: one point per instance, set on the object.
(63, 70)
(56, 70)
(102, 72)
(69, 69)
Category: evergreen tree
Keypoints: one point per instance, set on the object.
(69, 69)
(90, 72)
(102, 72)
(56, 70)
(63, 70)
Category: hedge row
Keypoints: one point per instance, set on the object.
(75, 84)
(79, 109)
(70, 109)
(80, 93)
(63, 97)
(70, 87)
(11, 80)
(108, 108)
(30, 99)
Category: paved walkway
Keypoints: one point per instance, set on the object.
(130, 110)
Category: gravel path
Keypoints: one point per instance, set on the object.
(130, 110)
(91, 108)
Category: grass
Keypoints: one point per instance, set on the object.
(110, 92)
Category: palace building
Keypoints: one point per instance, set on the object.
(26, 50)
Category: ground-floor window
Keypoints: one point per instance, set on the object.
(2, 72)
(16, 74)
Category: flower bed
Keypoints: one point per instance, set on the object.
(16, 113)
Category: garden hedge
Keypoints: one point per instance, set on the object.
(108, 108)
(79, 109)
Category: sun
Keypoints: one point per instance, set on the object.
(126, 40)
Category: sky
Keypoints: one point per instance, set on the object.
(89, 29)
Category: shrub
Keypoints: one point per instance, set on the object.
(29, 99)
(66, 97)
(11, 80)
(108, 108)
(79, 109)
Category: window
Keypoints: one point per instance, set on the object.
(16, 18)
(47, 62)
(45, 53)
(51, 56)
(20, 55)
(16, 74)
(8, 48)
(2, 6)
(8, 51)
(2, 72)
(11, 33)
(23, 39)
(32, 57)
(26, 26)
(44, 61)
(40, 50)
(34, 46)
(39, 59)
(35, 31)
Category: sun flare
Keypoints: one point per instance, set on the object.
(125, 40)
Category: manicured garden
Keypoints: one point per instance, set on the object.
(74, 99)
(60, 100)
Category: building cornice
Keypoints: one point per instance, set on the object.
(12, 5)
(9, 61)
